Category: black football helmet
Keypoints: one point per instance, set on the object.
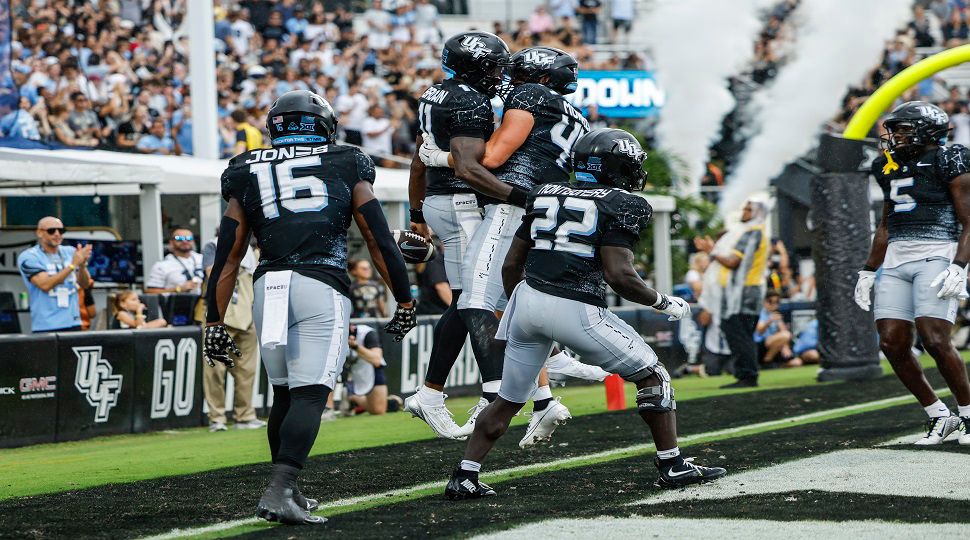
(478, 59)
(548, 66)
(300, 116)
(610, 156)
(913, 125)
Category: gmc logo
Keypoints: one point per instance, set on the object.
(38, 384)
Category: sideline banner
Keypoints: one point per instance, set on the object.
(168, 379)
(28, 387)
(619, 94)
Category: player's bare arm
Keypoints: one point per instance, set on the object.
(960, 190)
(619, 273)
(513, 270)
(467, 153)
(417, 187)
(512, 134)
(880, 241)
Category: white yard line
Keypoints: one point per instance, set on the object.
(185, 533)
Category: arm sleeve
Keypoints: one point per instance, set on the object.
(398, 272)
(472, 117)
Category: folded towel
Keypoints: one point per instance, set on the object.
(276, 307)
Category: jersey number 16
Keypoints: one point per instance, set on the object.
(311, 189)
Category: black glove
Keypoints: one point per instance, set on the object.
(402, 323)
(217, 345)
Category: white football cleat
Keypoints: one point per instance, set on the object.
(939, 428)
(965, 430)
(563, 365)
(544, 422)
(467, 429)
(438, 417)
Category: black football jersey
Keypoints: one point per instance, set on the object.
(447, 110)
(567, 225)
(544, 156)
(918, 194)
(297, 201)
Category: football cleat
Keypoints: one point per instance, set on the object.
(938, 429)
(469, 427)
(278, 504)
(303, 502)
(685, 474)
(438, 417)
(965, 430)
(465, 485)
(543, 423)
(560, 368)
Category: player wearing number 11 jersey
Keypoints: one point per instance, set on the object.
(574, 239)
(921, 249)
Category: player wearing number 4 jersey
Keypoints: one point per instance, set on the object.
(921, 250)
(574, 240)
(298, 198)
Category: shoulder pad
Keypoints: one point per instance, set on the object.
(365, 167)
(526, 96)
(632, 213)
(953, 161)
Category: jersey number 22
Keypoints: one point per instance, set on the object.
(548, 225)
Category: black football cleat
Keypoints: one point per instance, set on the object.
(279, 502)
(309, 504)
(686, 473)
(465, 485)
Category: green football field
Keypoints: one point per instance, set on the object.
(383, 476)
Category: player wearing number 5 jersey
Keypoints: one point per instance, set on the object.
(575, 238)
(298, 198)
(921, 249)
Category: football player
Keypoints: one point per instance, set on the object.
(457, 116)
(531, 147)
(575, 239)
(922, 245)
(298, 198)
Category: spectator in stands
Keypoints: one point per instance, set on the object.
(540, 21)
(955, 29)
(157, 141)
(248, 137)
(920, 25)
(132, 130)
(779, 269)
(772, 334)
(242, 328)
(63, 133)
(378, 24)
(698, 263)
(377, 130)
(589, 10)
(426, 22)
(806, 345)
(366, 359)
(622, 13)
(563, 8)
(434, 290)
(22, 122)
(52, 274)
(182, 128)
(181, 270)
(82, 119)
(366, 295)
(743, 251)
(129, 312)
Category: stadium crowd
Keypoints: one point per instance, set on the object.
(114, 74)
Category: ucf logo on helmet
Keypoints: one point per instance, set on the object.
(538, 58)
(475, 46)
(627, 147)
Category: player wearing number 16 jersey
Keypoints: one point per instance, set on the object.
(298, 198)
(922, 245)
(574, 239)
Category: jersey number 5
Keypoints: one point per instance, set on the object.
(312, 189)
(548, 225)
(904, 202)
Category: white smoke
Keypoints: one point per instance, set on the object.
(697, 45)
(837, 44)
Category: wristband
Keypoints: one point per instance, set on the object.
(417, 215)
(868, 268)
(178, 288)
(517, 197)
(662, 302)
(961, 264)
(71, 267)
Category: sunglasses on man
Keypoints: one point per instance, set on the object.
(52, 230)
(180, 238)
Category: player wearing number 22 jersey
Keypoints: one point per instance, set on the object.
(574, 239)
(918, 260)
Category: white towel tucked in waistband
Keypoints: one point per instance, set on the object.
(276, 308)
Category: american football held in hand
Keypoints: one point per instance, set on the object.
(414, 248)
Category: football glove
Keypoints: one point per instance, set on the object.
(217, 345)
(863, 288)
(954, 281)
(431, 155)
(677, 308)
(403, 321)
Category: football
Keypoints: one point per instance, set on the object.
(414, 247)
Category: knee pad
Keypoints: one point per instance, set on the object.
(658, 398)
